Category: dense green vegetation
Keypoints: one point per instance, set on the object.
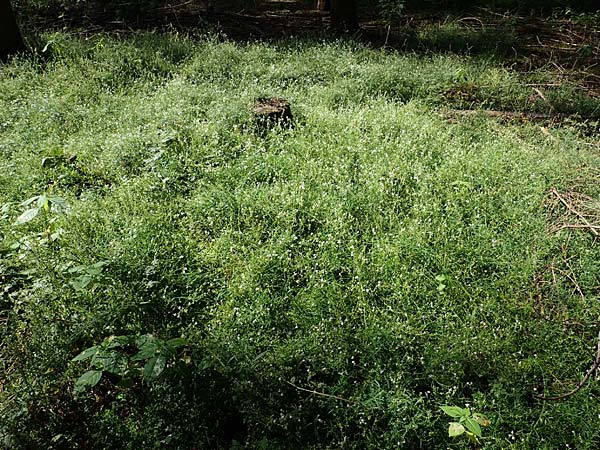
(334, 283)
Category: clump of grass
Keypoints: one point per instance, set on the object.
(337, 281)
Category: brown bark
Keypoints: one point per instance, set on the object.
(343, 15)
(11, 41)
(324, 5)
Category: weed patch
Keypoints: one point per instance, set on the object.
(327, 285)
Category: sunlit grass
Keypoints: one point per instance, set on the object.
(375, 252)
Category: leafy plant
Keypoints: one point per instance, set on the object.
(468, 423)
(38, 204)
(85, 274)
(390, 10)
(149, 356)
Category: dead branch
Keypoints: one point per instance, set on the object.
(501, 114)
(588, 225)
(593, 368)
(475, 19)
(575, 226)
(322, 394)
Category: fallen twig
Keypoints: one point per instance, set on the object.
(593, 368)
(588, 225)
(502, 114)
(476, 19)
(575, 226)
(322, 394)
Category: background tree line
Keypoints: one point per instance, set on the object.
(344, 13)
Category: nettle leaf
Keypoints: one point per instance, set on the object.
(482, 420)
(86, 354)
(27, 216)
(154, 367)
(88, 380)
(455, 429)
(455, 411)
(472, 425)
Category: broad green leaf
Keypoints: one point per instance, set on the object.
(76, 269)
(472, 425)
(154, 367)
(148, 350)
(455, 411)
(120, 341)
(87, 353)
(482, 420)
(144, 338)
(88, 380)
(58, 203)
(455, 429)
(54, 236)
(113, 362)
(29, 201)
(96, 268)
(81, 282)
(93, 271)
(43, 202)
(27, 216)
(176, 342)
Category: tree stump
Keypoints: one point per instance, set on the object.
(270, 112)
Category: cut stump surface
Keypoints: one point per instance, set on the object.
(271, 111)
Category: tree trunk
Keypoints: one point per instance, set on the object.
(343, 15)
(11, 41)
(324, 5)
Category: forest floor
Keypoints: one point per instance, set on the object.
(565, 45)
(423, 233)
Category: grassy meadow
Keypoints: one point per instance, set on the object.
(329, 285)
